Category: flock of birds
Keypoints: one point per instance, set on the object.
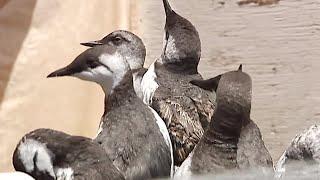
(160, 122)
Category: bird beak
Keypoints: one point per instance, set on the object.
(66, 71)
(70, 70)
(92, 43)
(209, 84)
(167, 7)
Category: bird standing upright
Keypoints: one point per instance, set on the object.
(130, 133)
(185, 108)
(217, 150)
(136, 55)
(251, 150)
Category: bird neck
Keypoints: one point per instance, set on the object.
(121, 94)
(225, 127)
(179, 67)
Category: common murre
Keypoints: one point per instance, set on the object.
(185, 108)
(303, 150)
(136, 60)
(135, 57)
(217, 150)
(130, 134)
(47, 154)
(252, 152)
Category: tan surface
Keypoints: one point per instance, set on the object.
(278, 45)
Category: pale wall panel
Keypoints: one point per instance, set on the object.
(38, 37)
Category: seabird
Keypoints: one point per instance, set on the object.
(217, 150)
(252, 152)
(129, 130)
(47, 154)
(304, 149)
(135, 57)
(185, 108)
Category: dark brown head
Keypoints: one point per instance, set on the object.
(182, 42)
(233, 98)
(210, 84)
(104, 65)
(234, 93)
(130, 45)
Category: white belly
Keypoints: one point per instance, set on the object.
(164, 131)
(184, 171)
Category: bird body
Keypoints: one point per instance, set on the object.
(47, 154)
(232, 140)
(186, 109)
(304, 148)
(129, 131)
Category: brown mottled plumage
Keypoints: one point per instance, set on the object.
(185, 108)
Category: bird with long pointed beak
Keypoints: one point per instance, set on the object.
(135, 59)
(130, 133)
(185, 108)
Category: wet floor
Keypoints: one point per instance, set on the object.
(278, 45)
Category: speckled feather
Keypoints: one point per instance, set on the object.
(252, 152)
(305, 147)
(185, 108)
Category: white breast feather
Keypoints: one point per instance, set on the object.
(149, 84)
(164, 131)
(99, 130)
(184, 171)
(280, 166)
(64, 174)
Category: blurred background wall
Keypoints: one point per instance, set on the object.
(36, 38)
(278, 45)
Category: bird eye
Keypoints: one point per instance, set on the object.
(117, 39)
(92, 63)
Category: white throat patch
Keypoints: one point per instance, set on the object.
(119, 67)
(171, 51)
(109, 75)
(149, 84)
